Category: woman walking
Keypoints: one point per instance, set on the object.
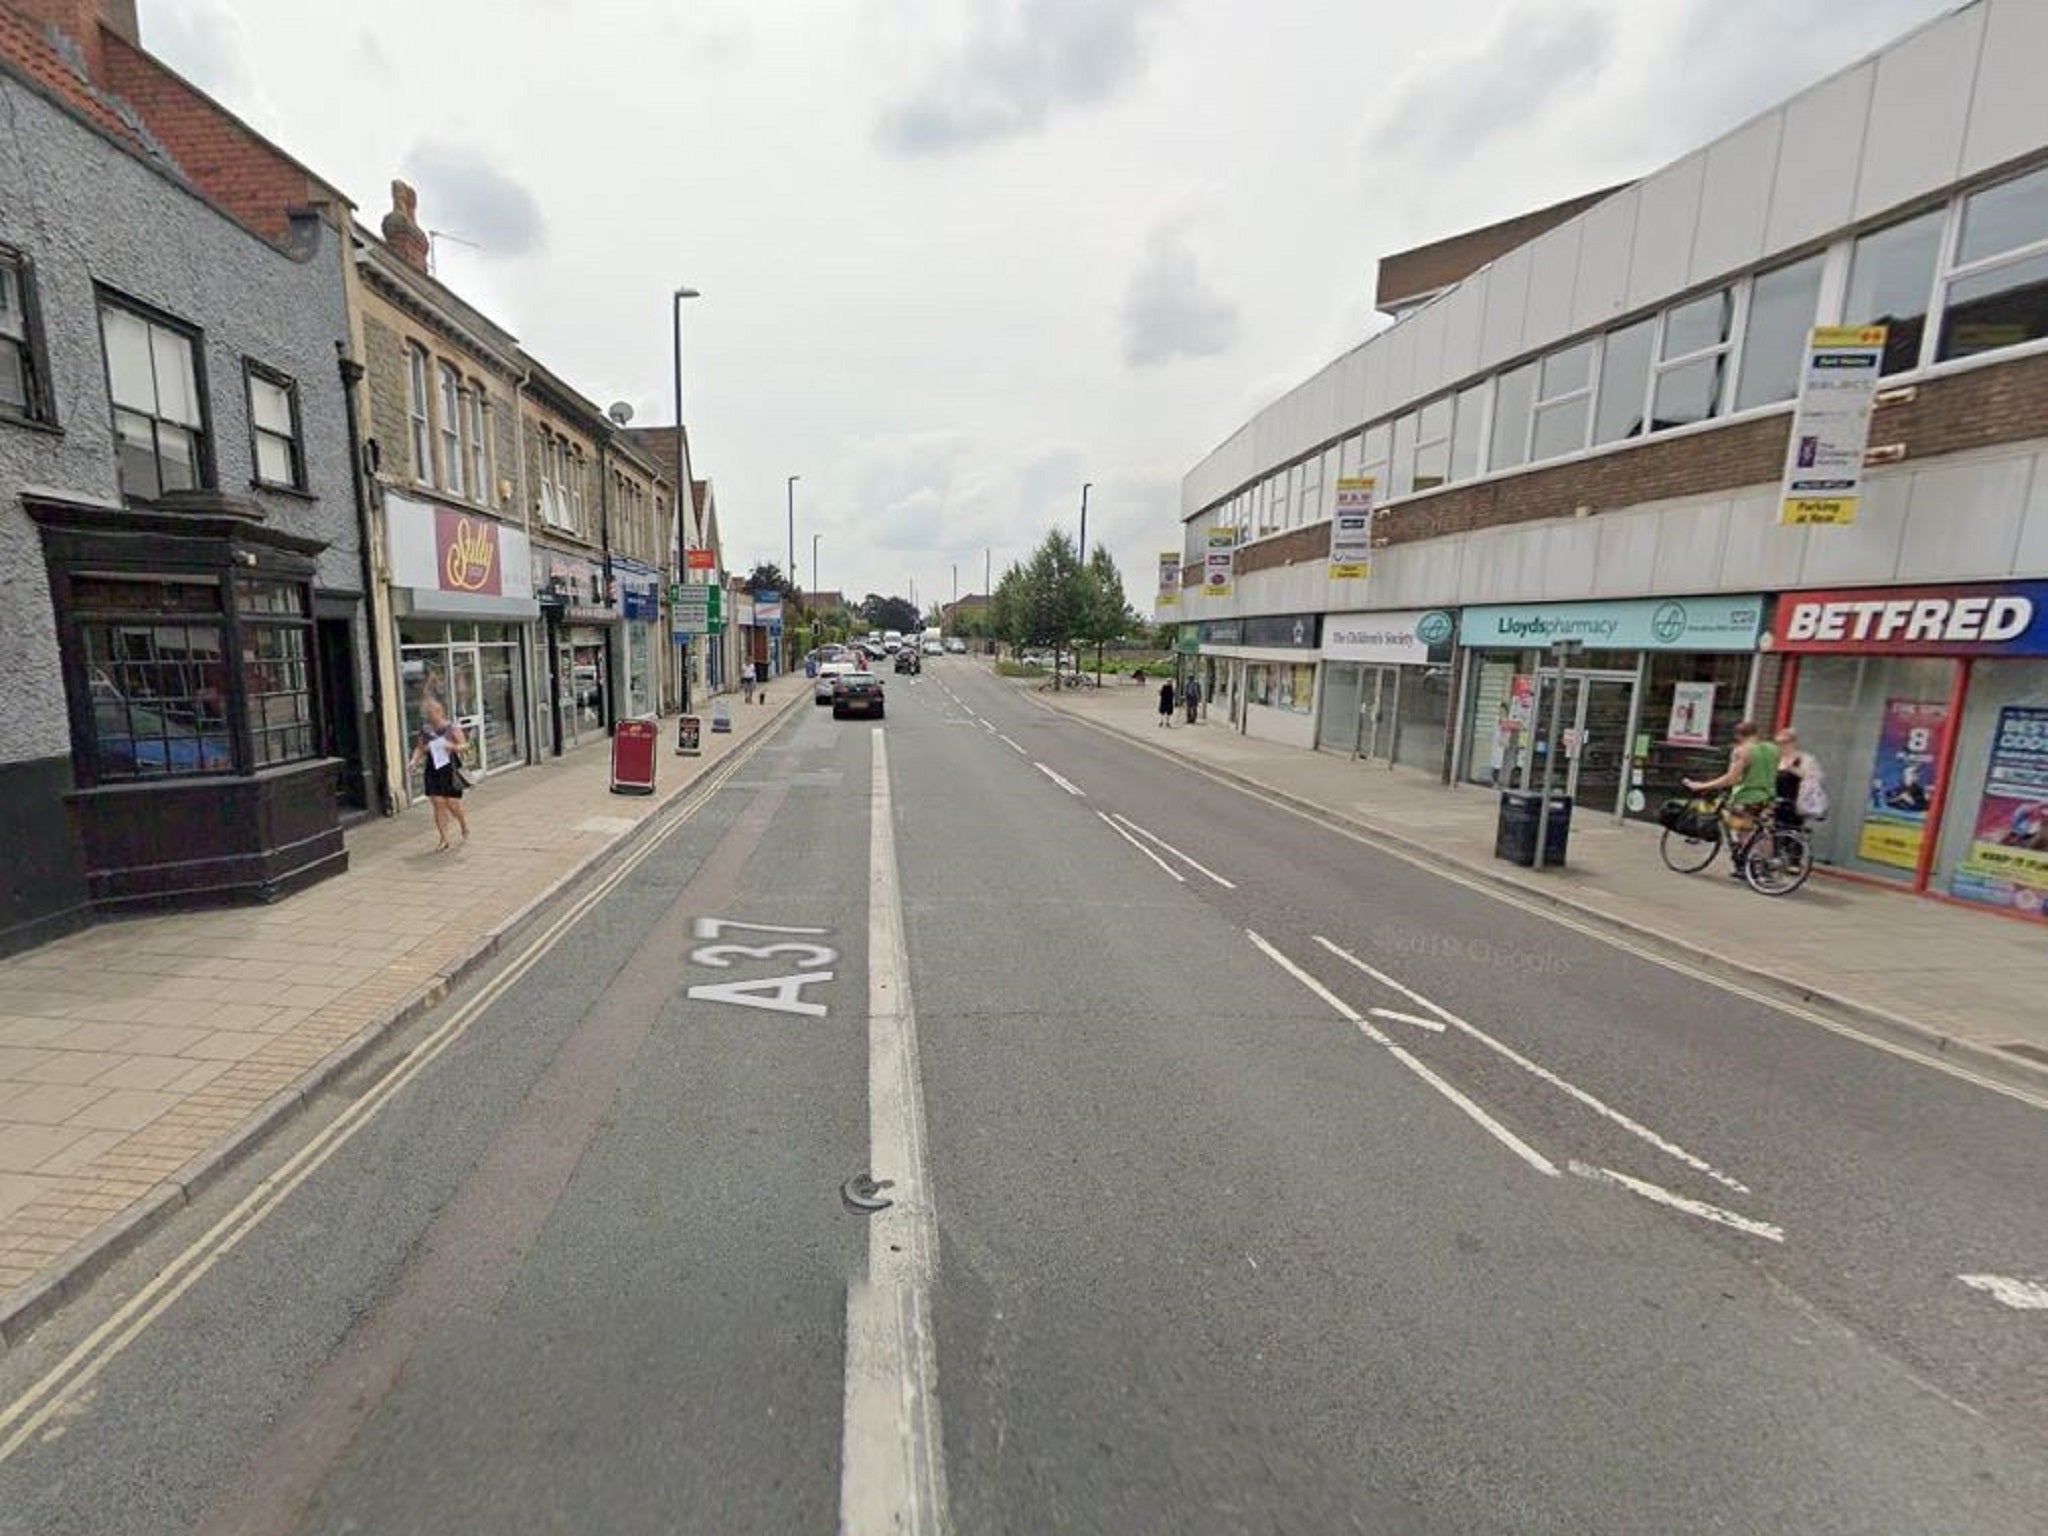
(1166, 703)
(440, 746)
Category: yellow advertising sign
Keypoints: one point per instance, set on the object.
(1838, 386)
(1890, 842)
(1802, 511)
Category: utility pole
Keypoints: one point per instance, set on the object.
(789, 570)
(679, 499)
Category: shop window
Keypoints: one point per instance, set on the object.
(1997, 293)
(1564, 393)
(1624, 381)
(276, 675)
(1692, 356)
(1994, 833)
(1468, 432)
(22, 371)
(1258, 684)
(1514, 398)
(1878, 726)
(274, 448)
(155, 662)
(159, 407)
(1782, 305)
(419, 426)
(1891, 280)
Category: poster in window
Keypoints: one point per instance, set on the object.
(1902, 782)
(1831, 428)
(2007, 865)
(1692, 715)
(1351, 529)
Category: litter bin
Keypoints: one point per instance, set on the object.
(1514, 837)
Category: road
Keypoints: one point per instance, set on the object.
(1239, 1177)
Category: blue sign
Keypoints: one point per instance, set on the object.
(1636, 624)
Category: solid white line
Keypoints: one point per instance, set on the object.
(892, 1474)
(2021, 1295)
(1633, 1127)
(1067, 784)
(1200, 868)
(1663, 1196)
(1407, 1018)
(989, 726)
(1013, 746)
(1120, 832)
(1480, 1117)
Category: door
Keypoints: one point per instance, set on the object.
(466, 701)
(1592, 765)
(1338, 729)
(1378, 692)
(340, 713)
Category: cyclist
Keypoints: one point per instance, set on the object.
(1751, 781)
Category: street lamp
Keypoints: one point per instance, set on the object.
(679, 496)
(790, 569)
(814, 563)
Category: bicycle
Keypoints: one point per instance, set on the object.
(1772, 856)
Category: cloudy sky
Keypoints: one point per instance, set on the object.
(959, 256)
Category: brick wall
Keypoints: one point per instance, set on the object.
(1310, 543)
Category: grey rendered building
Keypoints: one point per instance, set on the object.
(185, 705)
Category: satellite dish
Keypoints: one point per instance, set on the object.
(620, 412)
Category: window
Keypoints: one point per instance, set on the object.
(156, 669)
(1782, 305)
(1404, 455)
(1376, 448)
(159, 410)
(21, 393)
(276, 675)
(1514, 397)
(274, 427)
(575, 470)
(1564, 396)
(1309, 503)
(1891, 280)
(416, 411)
(454, 476)
(1432, 444)
(1467, 431)
(1998, 290)
(1692, 360)
(1624, 382)
(479, 443)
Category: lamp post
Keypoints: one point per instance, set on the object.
(814, 563)
(790, 569)
(679, 496)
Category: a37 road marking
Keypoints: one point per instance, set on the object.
(2007, 1290)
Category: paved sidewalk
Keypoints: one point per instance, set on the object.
(1964, 983)
(138, 1056)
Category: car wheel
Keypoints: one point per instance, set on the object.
(879, 713)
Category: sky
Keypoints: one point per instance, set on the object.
(960, 257)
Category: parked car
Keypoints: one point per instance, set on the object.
(934, 648)
(956, 646)
(829, 672)
(857, 693)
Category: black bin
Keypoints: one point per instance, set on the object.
(1514, 837)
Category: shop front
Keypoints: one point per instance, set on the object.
(1261, 672)
(463, 606)
(1387, 687)
(1652, 689)
(1928, 710)
(581, 627)
(639, 629)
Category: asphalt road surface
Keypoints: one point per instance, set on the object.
(1230, 1175)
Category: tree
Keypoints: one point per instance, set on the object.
(1054, 599)
(1105, 611)
(768, 577)
(897, 613)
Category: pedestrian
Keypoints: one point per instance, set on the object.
(439, 746)
(1802, 786)
(1166, 704)
(747, 676)
(1191, 696)
(1751, 779)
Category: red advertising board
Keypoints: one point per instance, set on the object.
(633, 757)
(2010, 620)
(466, 554)
(700, 559)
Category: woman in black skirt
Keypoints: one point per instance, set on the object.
(439, 746)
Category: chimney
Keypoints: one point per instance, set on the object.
(81, 20)
(402, 230)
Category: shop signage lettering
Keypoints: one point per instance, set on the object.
(1394, 638)
(467, 552)
(700, 560)
(2009, 621)
(1351, 529)
(768, 609)
(1831, 425)
(1642, 624)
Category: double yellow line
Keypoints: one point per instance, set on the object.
(23, 1418)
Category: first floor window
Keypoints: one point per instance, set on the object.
(21, 395)
(274, 428)
(159, 412)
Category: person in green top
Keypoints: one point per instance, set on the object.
(1752, 776)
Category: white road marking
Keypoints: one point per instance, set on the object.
(2021, 1295)
(1198, 867)
(775, 994)
(1480, 1117)
(1662, 1196)
(1012, 745)
(892, 1471)
(1067, 784)
(720, 956)
(714, 927)
(1633, 1127)
(1416, 1019)
(1172, 873)
(989, 726)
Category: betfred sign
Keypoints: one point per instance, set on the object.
(1916, 621)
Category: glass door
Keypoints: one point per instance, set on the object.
(1599, 752)
(1338, 731)
(502, 708)
(466, 700)
(1377, 718)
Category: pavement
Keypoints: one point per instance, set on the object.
(1925, 974)
(138, 1057)
(1231, 1176)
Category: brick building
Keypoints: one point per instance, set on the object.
(182, 638)
(1584, 438)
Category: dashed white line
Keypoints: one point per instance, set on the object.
(1659, 1195)
(1479, 1117)
(2020, 1295)
(1192, 863)
(1064, 783)
(1416, 1019)
(1175, 874)
(989, 726)
(1633, 1127)
(1012, 745)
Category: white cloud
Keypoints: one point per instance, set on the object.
(464, 195)
(1170, 310)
